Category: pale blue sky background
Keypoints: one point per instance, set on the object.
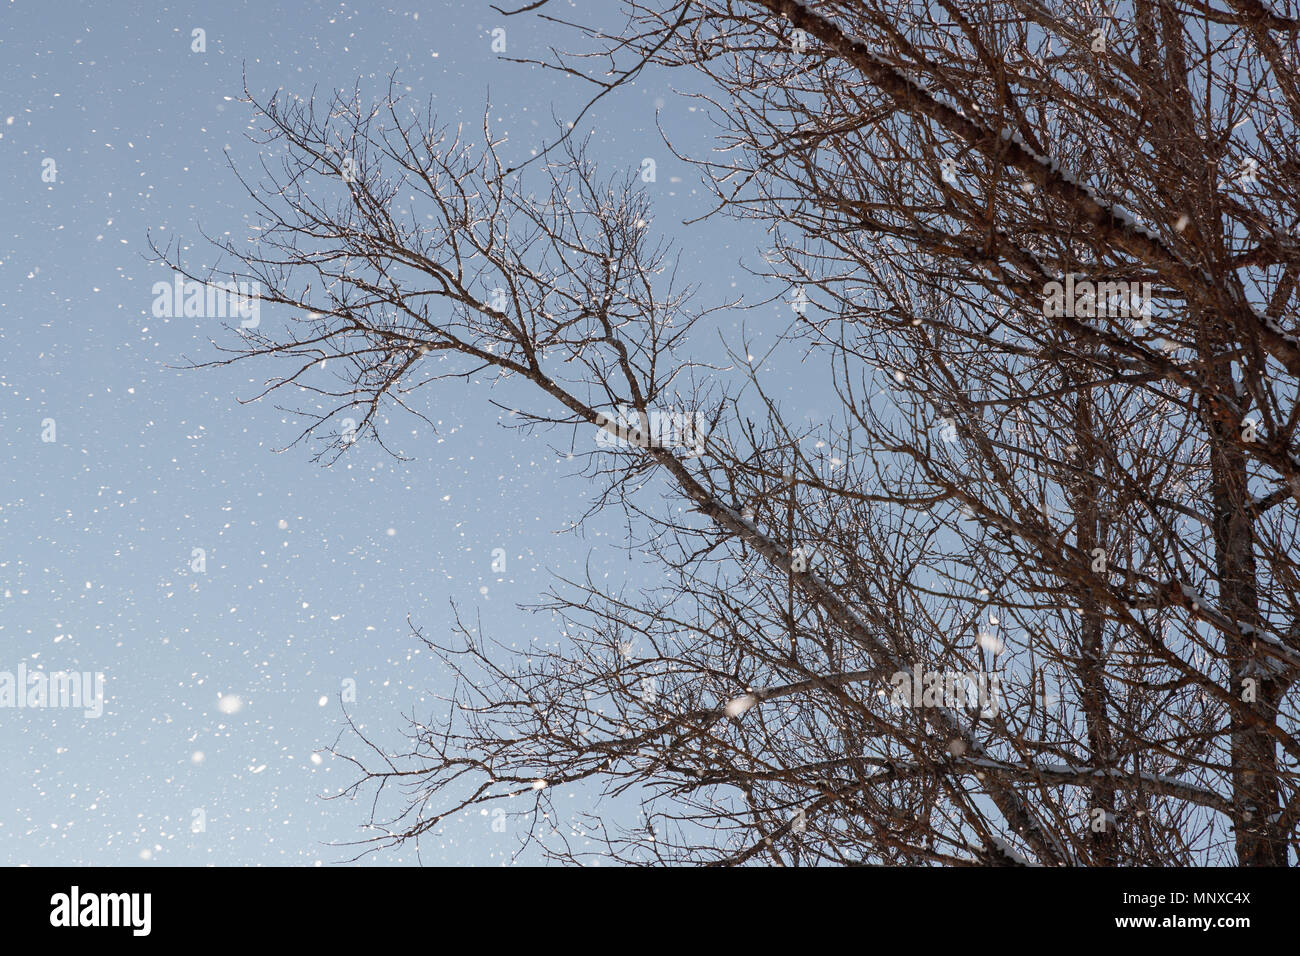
(304, 587)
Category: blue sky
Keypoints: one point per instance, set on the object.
(311, 572)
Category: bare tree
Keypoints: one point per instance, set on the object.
(1029, 596)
